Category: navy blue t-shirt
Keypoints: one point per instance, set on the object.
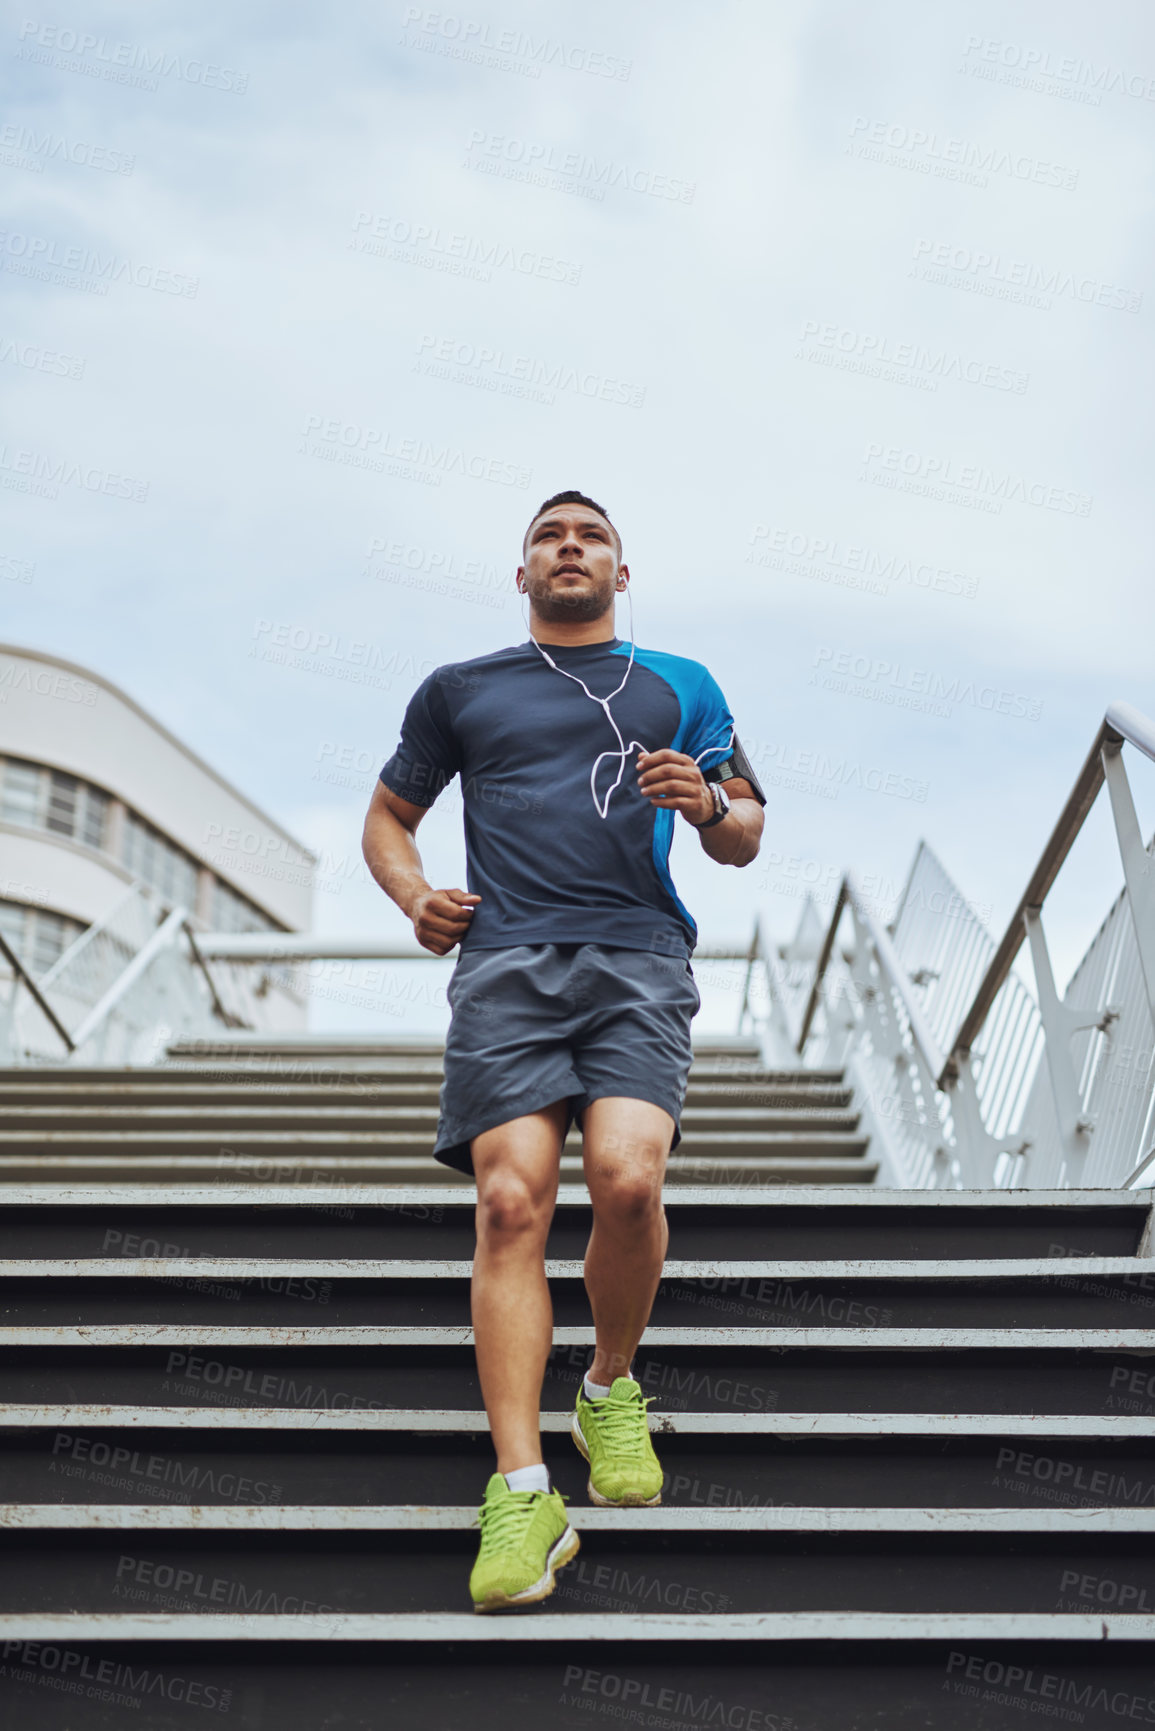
(524, 739)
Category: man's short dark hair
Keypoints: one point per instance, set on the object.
(573, 497)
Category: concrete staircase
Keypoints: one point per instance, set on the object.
(909, 1437)
(352, 1111)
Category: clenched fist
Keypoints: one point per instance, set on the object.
(673, 780)
(441, 917)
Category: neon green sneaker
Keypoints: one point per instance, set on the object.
(614, 1437)
(525, 1539)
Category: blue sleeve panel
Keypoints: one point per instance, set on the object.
(705, 732)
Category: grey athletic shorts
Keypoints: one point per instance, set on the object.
(545, 1022)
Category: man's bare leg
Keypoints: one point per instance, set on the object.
(625, 1147)
(517, 1173)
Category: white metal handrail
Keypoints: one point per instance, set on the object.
(1103, 762)
(1005, 1120)
(862, 1016)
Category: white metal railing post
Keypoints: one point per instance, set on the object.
(164, 935)
(1059, 1024)
(9, 1045)
(976, 1150)
(909, 1050)
(775, 1036)
(1137, 865)
(840, 998)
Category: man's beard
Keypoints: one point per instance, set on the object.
(562, 606)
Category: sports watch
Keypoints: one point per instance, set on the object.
(721, 806)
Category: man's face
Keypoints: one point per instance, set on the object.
(572, 565)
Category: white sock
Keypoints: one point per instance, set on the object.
(534, 1478)
(599, 1390)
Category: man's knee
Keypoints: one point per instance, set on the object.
(629, 1192)
(509, 1207)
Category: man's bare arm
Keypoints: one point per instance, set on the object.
(440, 917)
(672, 779)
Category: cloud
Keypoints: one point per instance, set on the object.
(833, 307)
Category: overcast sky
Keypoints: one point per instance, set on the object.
(843, 311)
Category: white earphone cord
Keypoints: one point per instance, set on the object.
(624, 750)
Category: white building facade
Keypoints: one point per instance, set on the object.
(96, 796)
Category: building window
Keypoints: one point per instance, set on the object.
(234, 913)
(20, 792)
(50, 799)
(167, 868)
(38, 797)
(38, 935)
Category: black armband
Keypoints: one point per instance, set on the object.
(737, 764)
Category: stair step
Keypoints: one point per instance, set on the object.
(420, 1562)
(730, 1431)
(795, 1225)
(737, 1371)
(230, 1165)
(65, 1097)
(325, 1139)
(1098, 1295)
(743, 1471)
(552, 1627)
(180, 1519)
(326, 1121)
(773, 1672)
